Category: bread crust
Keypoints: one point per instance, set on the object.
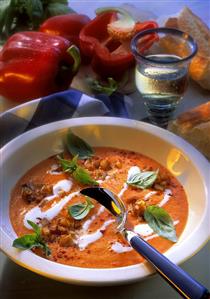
(194, 126)
(193, 25)
(188, 22)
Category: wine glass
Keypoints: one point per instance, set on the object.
(162, 58)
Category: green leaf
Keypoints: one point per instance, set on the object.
(77, 146)
(25, 242)
(8, 21)
(57, 1)
(79, 174)
(30, 241)
(98, 87)
(56, 8)
(68, 165)
(35, 227)
(46, 249)
(21, 15)
(3, 12)
(142, 179)
(4, 4)
(34, 9)
(83, 177)
(160, 221)
(80, 210)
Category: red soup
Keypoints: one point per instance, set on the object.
(45, 194)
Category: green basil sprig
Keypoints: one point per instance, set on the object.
(80, 210)
(79, 147)
(98, 87)
(22, 15)
(83, 177)
(78, 173)
(68, 165)
(32, 240)
(142, 179)
(160, 221)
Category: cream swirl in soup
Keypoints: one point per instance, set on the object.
(45, 193)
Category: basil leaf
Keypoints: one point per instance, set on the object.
(142, 179)
(83, 177)
(55, 9)
(68, 165)
(79, 174)
(99, 87)
(3, 14)
(32, 240)
(90, 204)
(77, 146)
(35, 227)
(80, 210)
(25, 242)
(34, 10)
(20, 15)
(134, 170)
(160, 221)
(58, 1)
(45, 248)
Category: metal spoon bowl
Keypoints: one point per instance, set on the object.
(184, 284)
(110, 201)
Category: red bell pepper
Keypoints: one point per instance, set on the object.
(67, 26)
(95, 32)
(109, 51)
(35, 64)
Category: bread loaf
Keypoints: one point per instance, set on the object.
(194, 126)
(188, 22)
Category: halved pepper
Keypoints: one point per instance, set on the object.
(109, 50)
(67, 26)
(35, 64)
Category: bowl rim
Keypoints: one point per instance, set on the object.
(120, 275)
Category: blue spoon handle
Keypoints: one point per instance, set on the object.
(187, 286)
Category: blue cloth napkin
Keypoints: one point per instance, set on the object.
(59, 106)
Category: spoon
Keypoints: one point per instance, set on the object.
(184, 284)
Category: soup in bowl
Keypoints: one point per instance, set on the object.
(60, 233)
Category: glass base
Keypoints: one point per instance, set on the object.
(160, 115)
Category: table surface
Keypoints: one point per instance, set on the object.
(17, 282)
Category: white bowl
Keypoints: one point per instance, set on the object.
(185, 162)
